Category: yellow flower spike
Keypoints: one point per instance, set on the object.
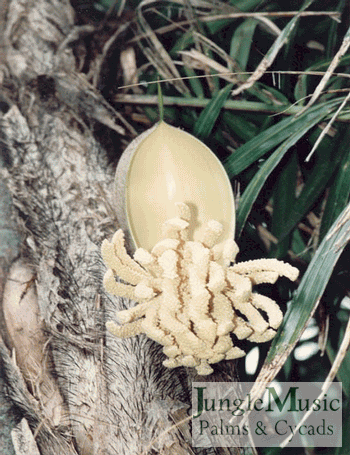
(164, 166)
(191, 300)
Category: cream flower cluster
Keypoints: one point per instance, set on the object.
(191, 295)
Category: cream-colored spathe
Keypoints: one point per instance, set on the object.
(188, 293)
(165, 165)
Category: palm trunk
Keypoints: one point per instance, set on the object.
(119, 397)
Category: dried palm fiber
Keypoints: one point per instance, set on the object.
(120, 398)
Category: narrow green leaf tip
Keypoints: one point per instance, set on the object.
(160, 102)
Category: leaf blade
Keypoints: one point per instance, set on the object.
(254, 149)
(210, 114)
(305, 300)
(254, 187)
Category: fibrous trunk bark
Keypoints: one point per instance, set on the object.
(76, 388)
